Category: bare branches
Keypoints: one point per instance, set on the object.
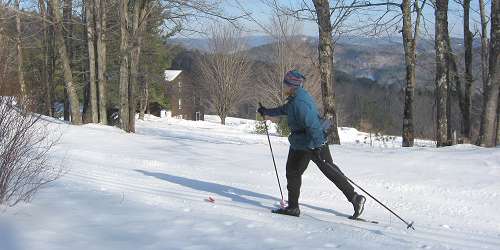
(24, 146)
(179, 14)
(225, 69)
(289, 50)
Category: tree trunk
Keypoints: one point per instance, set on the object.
(410, 60)
(90, 24)
(68, 77)
(441, 32)
(468, 72)
(138, 24)
(222, 119)
(51, 54)
(143, 103)
(87, 113)
(450, 97)
(488, 131)
(67, 108)
(134, 61)
(484, 60)
(68, 26)
(101, 59)
(134, 64)
(484, 45)
(124, 67)
(67, 31)
(455, 78)
(20, 62)
(325, 49)
(144, 86)
(45, 55)
(498, 122)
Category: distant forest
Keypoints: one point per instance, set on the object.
(369, 84)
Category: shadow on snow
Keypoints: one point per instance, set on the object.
(235, 194)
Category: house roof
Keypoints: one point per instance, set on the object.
(170, 75)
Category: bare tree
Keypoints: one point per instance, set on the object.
(76, 117)
(20, 62)
(124, 66)
(67, 32)
(325, 49)
(25, 143)
(140, 14)
(468, 36)
(441, 34)
(7, 57)
(487, 136)
(484, 60)
(91, 35)
(100, 7)
(45, 68)
(225, 69)
(455, 86)
(131, 29)
(484, 43)
(410, 35)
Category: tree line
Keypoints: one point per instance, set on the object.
(406, 15)
(93, 60)
(84, 51)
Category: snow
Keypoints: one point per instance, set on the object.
(148, 191)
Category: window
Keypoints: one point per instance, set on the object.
(180, 103)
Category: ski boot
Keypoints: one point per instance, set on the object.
(292, 211)
(358, 201)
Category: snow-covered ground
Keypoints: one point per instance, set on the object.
(148, 191)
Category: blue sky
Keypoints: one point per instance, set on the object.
(263, 13)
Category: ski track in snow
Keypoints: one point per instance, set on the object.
(148, 191)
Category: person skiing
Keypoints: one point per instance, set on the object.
(307, 142)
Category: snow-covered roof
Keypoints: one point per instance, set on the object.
(170, 75)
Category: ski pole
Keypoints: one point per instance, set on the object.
(274, 162)
(408, 225)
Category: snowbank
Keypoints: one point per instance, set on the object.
(148, 191)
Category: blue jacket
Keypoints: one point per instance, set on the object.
(303, 120)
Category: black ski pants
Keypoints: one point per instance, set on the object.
(297, 163)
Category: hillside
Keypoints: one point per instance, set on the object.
(370, 77)
(148, 191)
(380, 59)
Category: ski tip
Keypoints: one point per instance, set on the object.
(410, 226)
(210, 199)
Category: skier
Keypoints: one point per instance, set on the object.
(307, 142)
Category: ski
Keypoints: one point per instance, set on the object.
(275, 211)
(360, 219)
